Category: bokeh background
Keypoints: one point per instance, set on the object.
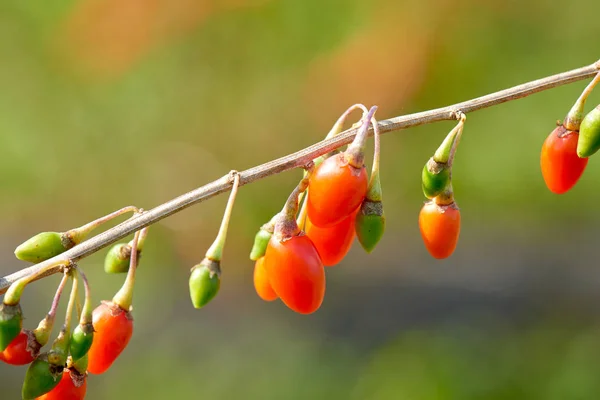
(106, 103)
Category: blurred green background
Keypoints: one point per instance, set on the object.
(106, 103)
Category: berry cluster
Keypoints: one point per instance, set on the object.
(335, 202)
(566, 150)
(101, 333)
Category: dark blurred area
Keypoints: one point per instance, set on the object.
(107, 103)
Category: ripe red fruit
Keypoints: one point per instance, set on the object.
(66, 389)
(261, 282)
(296, 273)
(113, 329)
(561, 167)
(334, 242)
(440, 228)
(16, 353)
(336, 189)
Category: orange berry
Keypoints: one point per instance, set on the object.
(336, 189)
(261, 282)
(16, 353)
(334, 242)
(296, 273)
(66, 389)
(561, 167)
(440, 227)
(113, 329)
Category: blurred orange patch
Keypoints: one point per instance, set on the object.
(105, 38)
(383, 64)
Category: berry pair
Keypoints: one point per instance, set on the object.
(340, 203)
(566, 150)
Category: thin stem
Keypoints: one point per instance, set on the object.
(77, 235)
(56, 300)
(339, 124)
(15, 290)
(86, 311)
(124, 296)
(142, 239)
(376, 147)
(575, 116)
(461, 126)
(301, 219)
(72, 301)
(44, 328)
(374, 193)
(288, 162)
(215, 252)
(588, 89)
(355, 154)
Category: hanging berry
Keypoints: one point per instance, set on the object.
(560, 159)
(370, 219)
(83, 335)
(205, 279)
(436, 172)
(262, 285)
(113, 322)
(17, 352)
(292, 261)
(11, 320)
(339, 185)
(439, 219)
(261, 240)
(26, 346)
(117, 258)
(45, 372)
(589, 134)
(46, 245)
(439, 222)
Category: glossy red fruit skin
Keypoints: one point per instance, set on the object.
(440, 228)
(334, 242)
(16, 353)
(113, 329)
(66, 389)
(296, 273)
(336, 189)
(262, 284)
(561, 167)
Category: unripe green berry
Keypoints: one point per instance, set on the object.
(370, 224)
(434, 178)
(261, 240)
(117, 259)
(81, 341)
(11, 321)
(205, 282)
(589, 134)
(40, 378)
(41, 247)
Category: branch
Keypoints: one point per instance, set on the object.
(291, 161)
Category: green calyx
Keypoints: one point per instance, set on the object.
(78, 368)
(370, 224)
(118, 258)
(42, 246)
(261, 240)
(11, 321)
(81, 341)
(589, 134)
(205, 282)
(434, 178)
(40, 378)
